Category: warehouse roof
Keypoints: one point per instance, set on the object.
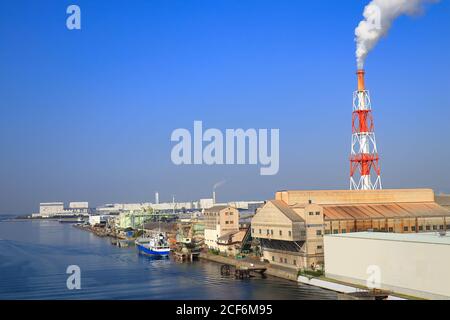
(428, 237)
(216, 208)
(382, 211)
(443, 199)
(287, 211)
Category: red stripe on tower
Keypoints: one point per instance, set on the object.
(364, 159)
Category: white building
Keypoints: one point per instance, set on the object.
(49, 209)
(206, 203)
(79, 205)
(415, 264)
(78, 208)
(98, 219)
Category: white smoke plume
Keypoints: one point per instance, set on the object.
(378, 18)
(218, 184)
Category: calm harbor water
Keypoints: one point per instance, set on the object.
(34, 256)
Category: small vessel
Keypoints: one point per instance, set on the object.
(71, 220)
(156, 245)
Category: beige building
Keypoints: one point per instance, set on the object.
(291, 227)
(231, 242)
(414, 264)
(219, 221)
(290, 237)
(443, 200)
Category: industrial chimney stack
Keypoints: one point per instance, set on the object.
(364, 168)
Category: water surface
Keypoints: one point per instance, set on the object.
(34, 256)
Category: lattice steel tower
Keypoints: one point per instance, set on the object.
(364, 167)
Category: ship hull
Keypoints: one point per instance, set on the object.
(152, 252)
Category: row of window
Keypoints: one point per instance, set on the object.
(312, 213)
(391, 229)
(270, 232)
(285, 260)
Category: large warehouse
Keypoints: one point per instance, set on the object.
(413, 264)
(291, 227)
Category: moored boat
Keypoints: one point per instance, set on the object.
(156, 245)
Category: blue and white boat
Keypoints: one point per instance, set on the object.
(154, 246)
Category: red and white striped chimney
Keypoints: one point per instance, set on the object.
(364, 167)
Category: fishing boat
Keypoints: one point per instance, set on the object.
(71, 220)
(156, 245)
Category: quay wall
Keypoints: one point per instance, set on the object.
(271, 270)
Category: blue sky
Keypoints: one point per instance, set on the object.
(88, 114)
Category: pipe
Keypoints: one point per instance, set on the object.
(361, 84)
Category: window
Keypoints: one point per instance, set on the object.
(327, 231)
(448, 226)
(441, 227)
(344, 230)
(311, 213)
(319, 247)
(434, 227)
(420, 228)
(226, 222)
(318, 232)
(271, 232)
(405, 229)
(335, 231)
(285, 260)
(231, 213)
(428, 228)
(391, 229)
(413, 228)
(281, 260)
(317, 213)
(281, 233)
(273, 258)
(290, 233)
(295, 262)
(268, 231)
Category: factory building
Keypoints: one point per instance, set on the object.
(287, 237)
(443, 200)
(414, 264)
(49, 209)
(78, 208)
(53, 209)
(291, 227)
(220, 222)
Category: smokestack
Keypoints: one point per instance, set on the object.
(214, 197)
(361, 84)
(157, 197)
(364, 167)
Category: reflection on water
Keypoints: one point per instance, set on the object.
(34, 256)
